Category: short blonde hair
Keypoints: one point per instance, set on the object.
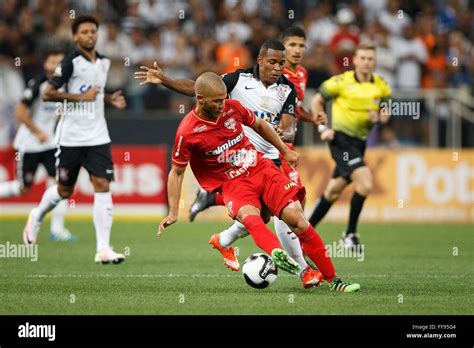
(365, 46)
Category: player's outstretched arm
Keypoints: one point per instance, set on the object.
(51, 93)
(270, 135)
(23, 116)
(156, 75)
(317, 108)
(175, 181)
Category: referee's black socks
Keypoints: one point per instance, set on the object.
(320, 211)
(357, 202)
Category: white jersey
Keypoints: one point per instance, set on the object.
(82, 123)
(267, 103)
(43, 116)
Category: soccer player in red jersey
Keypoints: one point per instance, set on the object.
(211, 139)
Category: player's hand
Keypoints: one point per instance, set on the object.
(118, 100)
(41, 136)
(149, 75)
(90, 94)
(279, 131)
(374, 116)
(291, 157)
(167, 221)
(320, 118)
(327, 135)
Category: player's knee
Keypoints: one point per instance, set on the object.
(332, 194)
(364, 187)
(101, 185)
(24, 190)
(65, 191)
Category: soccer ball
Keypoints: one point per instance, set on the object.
(259, 271)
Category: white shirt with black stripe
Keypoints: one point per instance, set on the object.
(82, 123)
(267, 103)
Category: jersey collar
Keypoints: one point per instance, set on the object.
(355, 77)
(206, 121)
(97, 54)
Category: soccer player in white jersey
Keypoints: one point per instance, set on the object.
(270, 96)
(82, 135)
(34, 143)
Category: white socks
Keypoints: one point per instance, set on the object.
(10, 189)
(57, 217)
(103, 218)
(235, 231)
(50, 199)
(290, 242)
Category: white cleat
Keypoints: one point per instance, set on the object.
(30, 232)
(107, 256)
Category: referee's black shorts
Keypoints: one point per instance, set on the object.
(348, 153)
(97, 160)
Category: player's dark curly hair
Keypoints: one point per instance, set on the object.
(272, 44)
(83, 19)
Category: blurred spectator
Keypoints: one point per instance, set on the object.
(388, 138)
(114, 44)
(460, 57)
(319, 67)
(232, 55)
(411, 54)
(393, 18)
(345, 40)
(321, 27)
(233, 24)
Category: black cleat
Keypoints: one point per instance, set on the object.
(203, 201)
(351, 241)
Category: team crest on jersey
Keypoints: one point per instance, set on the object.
(281, 92)
(231, 124)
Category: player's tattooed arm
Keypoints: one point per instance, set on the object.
(156, 75)
(270, 135)
(175, 182)
(287, 128)
(51, 93)
(23, 116)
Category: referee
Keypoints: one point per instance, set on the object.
(357, 95)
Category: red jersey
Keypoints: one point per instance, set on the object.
(218, 150)
(299, 79)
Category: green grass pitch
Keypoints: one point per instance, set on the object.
(407, 269)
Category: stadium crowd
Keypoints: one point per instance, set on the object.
(420, 44)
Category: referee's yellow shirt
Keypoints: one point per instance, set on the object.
(353, 100)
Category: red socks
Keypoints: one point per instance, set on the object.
(263, 237)
(315, 249)
(219, 199)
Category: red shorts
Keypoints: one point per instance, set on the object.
(291, 173)
(264, 183)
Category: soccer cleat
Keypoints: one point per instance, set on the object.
(351, 241)
(311, 278)
(230, 260)
(30, 232)
(337, 284)
(62, 235)
(108, 256)
(203, 201)
(284, 261)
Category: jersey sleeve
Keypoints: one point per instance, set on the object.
(31, 92)
(332, 87)
(291, 102)
(248, 117)
(386, 90)
(182, 150)
(62, 73)
(230, 80)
